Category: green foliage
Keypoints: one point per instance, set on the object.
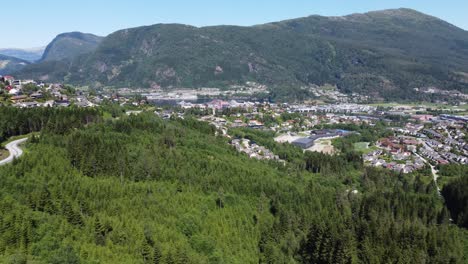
(12, 64)
(382, 54)
(366, 132)
(30, 88)
(456, 198)
(453, 170)
(285, 151)
(14, 121)
(69, 45)
(140, 189)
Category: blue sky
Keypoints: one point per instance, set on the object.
(34, 23)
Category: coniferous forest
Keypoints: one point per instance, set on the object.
(140, 189)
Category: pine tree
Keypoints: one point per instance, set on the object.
(99, 232)
(146, 252)
(157, 255)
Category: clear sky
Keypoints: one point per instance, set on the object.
(34, 23)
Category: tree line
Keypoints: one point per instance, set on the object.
(140, 189)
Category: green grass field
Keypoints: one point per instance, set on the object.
(364, 147)
(360, 146)
(4, 153)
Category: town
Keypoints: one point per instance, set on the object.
(412, 140)
(415, 135)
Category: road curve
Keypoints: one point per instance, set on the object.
(15, 151)
(434, 172)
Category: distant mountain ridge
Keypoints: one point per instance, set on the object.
(382, 53)
(11, 64)
(69, 45)
(31, 55)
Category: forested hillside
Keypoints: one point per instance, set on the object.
(384, 54)
(11, 64)
(140, 189)
(456, 192)
(70, 45)
(30, 55)
(16, 121)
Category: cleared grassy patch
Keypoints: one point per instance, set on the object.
(361, 146)
(364, 147)
(4, 153)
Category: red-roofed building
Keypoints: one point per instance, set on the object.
(9, 78)
(411, 142)
(442, 161)
(423, 118)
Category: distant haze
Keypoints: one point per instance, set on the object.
(31, 54)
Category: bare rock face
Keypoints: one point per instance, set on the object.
(155, 85)
(218, 70)
(253, 68)
(44, 77)
(166, 72)
(148, 46)
(101, 67)
(165, 76)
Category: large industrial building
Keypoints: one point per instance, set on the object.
(308, 142)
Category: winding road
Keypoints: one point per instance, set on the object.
(434, 172)
(14, 149)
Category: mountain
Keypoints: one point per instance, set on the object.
(382, 54)
(69, 45)
(30, 55)
(11, 64)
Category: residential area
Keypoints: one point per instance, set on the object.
(415, 138)
(30, 93)
(418, 134)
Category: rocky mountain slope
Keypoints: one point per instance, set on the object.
(383, 53)
(69, 45)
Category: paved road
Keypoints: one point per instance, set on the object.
(15, 151)
(435, 174)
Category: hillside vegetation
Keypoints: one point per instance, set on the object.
(30, 55)
(11, 64)
(70, 45)
(384, 54)
(140, 189)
